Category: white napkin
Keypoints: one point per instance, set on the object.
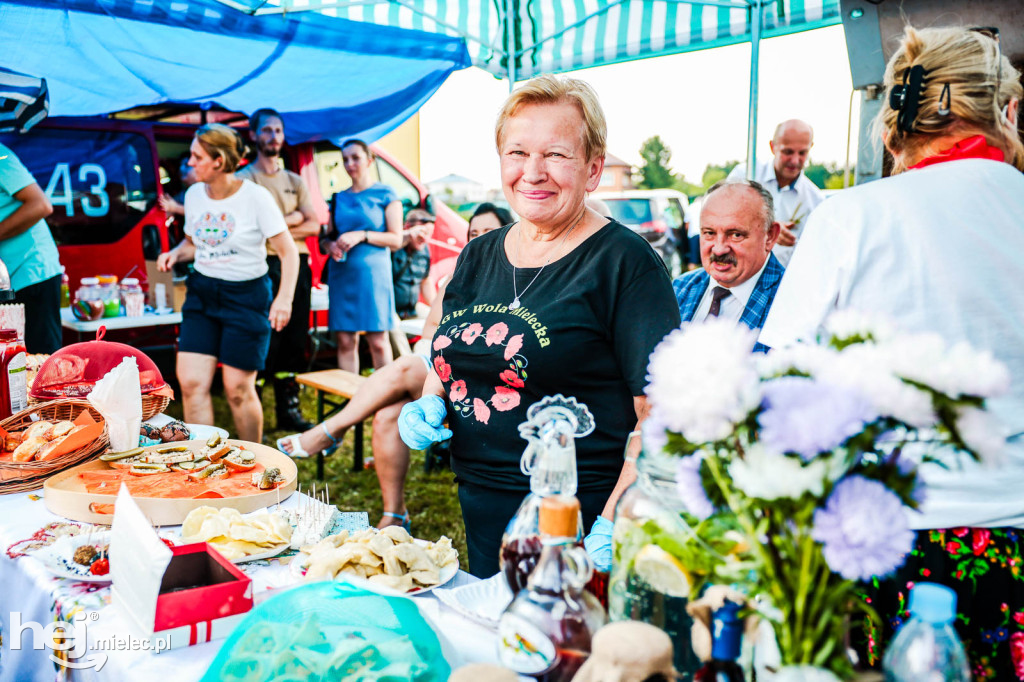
(118, 398)
(138, 561)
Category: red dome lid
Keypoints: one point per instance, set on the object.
(72, 371)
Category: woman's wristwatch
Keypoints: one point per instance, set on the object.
(366, 236)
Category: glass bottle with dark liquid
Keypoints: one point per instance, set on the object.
(549, 460)
(546, 631)
(726, 640)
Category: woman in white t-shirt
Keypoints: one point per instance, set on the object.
(938, 247)
(228, 312)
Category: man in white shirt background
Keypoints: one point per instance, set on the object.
(795, 196)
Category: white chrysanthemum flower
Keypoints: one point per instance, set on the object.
(983, 433)
(805, 358)
(703, 380)
(960, 370)
(850, 323)
(768, 476)
(866, 368)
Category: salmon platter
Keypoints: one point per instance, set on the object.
(169, 480)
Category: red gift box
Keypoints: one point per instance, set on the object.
(203, 596)
(177, 596)
(200, 585)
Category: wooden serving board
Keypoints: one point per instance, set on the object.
(66, 493)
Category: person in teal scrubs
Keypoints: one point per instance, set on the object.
(29, 252)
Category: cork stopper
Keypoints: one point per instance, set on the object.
(558, 516)
(475, 672)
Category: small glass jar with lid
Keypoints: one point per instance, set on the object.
(110, 293)
(88, 301)
(132, 297)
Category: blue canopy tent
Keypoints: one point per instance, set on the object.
(23, 101)
(551, 36)
(331, 78)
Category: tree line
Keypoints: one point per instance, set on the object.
(655, 171)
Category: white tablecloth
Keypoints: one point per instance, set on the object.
(28, 588)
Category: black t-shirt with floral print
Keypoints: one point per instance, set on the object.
(585, 329)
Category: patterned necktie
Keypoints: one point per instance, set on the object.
(717, 294)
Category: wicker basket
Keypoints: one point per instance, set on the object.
(65, 409)
(23, 486)
(152, 404)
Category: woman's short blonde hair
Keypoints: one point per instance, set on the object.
(548, 89)
(969, 63)
(224, 143)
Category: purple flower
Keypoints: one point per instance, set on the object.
(809, 417)
(907, 467)
(653, 433)
(690, 488)
(863, 529)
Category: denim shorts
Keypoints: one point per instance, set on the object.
(227, 320)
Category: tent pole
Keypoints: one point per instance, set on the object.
(755, 56)
(510, 49)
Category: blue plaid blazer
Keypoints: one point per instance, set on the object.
(691, 286)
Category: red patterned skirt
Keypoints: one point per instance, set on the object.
(985, 566)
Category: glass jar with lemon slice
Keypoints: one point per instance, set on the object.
(661, 556)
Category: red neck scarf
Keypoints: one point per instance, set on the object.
(976, 147)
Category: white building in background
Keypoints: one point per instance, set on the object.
(457, 189)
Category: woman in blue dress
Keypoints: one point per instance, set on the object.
(366, 226)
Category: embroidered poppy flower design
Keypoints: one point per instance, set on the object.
(512, 379)
(470, 334)
(457, 391)
(515, 344)
(443, 369)
(505, 399)
(481, 411)
(497, 333)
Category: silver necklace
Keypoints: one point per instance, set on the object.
(515, 301)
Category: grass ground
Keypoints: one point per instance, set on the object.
(431, 497)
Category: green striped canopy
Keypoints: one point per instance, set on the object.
(551, 36)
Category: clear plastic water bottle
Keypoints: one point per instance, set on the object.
(927, 648)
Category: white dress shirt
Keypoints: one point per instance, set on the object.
(733, 305)
(939, 249)
(793, 202)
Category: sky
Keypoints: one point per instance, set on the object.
(697, 102)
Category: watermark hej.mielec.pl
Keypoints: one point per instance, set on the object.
(71, 639)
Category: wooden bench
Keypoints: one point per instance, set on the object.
(342, 384)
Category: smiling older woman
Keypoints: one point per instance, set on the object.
(564, 301)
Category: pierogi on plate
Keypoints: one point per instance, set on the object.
(389, 557)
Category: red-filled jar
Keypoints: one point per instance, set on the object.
(13, 375)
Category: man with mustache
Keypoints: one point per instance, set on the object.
(741, 274)
(288, 346)
(795, 196)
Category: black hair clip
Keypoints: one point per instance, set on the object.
(906, 98)
(945, 101)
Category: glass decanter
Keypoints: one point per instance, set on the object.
(546, 631)
(549, 460)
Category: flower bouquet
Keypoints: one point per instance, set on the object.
(813, 452)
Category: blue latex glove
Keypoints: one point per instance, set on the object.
(421, 422)
(599, 544)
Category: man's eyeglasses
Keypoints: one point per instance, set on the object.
(993, 33)
(419, 221)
